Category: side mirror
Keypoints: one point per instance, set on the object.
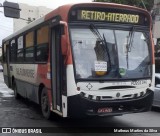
(64, 38)
(11, 9)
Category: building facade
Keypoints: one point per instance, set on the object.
(28, 14)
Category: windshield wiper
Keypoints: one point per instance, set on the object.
(96, 32)
(101, 39)
(129, 44)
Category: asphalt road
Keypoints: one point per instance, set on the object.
(23, 113)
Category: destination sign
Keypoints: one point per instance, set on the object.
(108, 16)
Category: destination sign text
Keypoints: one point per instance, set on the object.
(108, 16)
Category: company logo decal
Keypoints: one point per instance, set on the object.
(89, 86)
(25, 72)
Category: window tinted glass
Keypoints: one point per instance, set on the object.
(42, 44)
(13, 53)
(20, 54)
(29, 47)
(29, 39)
(4, 53)
(42, 35)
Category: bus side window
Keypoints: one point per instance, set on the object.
(20, 50)
(13, 49)
(42, 44)
(4, 53)
(29, 47)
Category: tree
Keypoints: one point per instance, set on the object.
(138, 3)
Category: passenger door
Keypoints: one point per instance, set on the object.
(8, 66)
(56, 68)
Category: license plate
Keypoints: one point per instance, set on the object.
(104, 110)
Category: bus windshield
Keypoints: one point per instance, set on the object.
(117, 54)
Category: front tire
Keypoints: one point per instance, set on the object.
(45, 106)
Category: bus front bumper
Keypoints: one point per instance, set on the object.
(79, 106)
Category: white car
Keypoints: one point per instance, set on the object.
(1, 68)
(156, 100)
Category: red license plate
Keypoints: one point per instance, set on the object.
(104, 110)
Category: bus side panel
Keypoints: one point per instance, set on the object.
(27, 90)
(43, 77)
(5, 74)
(25, 76)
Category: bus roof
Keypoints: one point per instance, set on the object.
(64, 10)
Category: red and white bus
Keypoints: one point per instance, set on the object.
(82, 59)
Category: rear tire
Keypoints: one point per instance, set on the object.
(45, 106)
(16, 95)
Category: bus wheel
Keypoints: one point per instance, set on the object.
(16, 95)
(45, 104)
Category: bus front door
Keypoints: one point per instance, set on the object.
(56, 68)
(8, 66)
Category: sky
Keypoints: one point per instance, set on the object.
(6, 24)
